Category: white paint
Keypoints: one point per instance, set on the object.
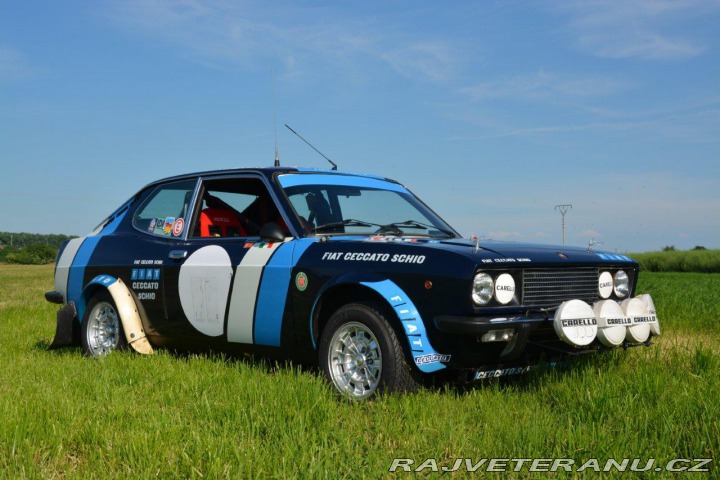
(638, 332)
(204, 285)
(612, 323)
(241, 316)
(504, 288)
(605, 284)
(575, 323)
(62, 270)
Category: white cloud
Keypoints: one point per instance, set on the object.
(246, 34)
(636, 28)
(589, 233)
(547, 86)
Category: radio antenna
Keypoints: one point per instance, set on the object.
(277, 155)
(334, 165)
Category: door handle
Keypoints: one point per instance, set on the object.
(178, 254)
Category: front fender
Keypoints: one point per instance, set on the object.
(424, 355)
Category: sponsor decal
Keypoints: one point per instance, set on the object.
(151, 227)
(505, 260)
(432, 358)
(483, 374)
(178, 227)
(579, 322)
(645, 319)
(373, 257)
(145, 274)
(619, 321)
(301, 281)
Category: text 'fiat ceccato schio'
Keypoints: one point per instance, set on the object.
(353, 271)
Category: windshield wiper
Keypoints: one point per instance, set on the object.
(416, 224)
(349, 222)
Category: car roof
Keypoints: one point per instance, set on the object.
(265, 171)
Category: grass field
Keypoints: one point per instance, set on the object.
(167, 416)
(700, 261)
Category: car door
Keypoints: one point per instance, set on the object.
(220, 277)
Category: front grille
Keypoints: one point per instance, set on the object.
(550, 287)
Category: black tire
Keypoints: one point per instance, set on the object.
(349, 358)
(101, 331)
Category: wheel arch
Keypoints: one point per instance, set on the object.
(396, 305)
(126, 306)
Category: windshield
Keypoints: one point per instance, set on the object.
(350, 205)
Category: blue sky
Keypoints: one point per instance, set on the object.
(492, 111)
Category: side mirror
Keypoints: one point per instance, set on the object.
(271, 232)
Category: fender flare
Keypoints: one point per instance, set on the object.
(126, 308)
(424, 355)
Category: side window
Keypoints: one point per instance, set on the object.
(165, 211)
(234, 207)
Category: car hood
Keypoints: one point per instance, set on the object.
(499, 252)
(512, 252)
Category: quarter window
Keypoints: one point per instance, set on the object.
(165, 211)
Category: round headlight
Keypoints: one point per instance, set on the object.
(622, 284)
(482, 289)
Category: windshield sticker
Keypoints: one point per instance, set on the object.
(373, 257)
(151, 227)
(177, 227)
(398, 239)
(167, 228)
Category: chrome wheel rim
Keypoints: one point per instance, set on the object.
(355, 360)
(103, 329)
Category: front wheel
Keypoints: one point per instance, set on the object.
(361, 355)
(101, 331)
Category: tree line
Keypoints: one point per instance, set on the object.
(30, 248)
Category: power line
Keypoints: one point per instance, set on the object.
(563, 210)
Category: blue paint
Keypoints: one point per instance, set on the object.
(272, 295)
(426, 358)
(293, 180)
(76, 275)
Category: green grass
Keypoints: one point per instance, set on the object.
(701, 261)
(168, 416)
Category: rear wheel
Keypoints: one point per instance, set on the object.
(361, 355)
(101, 328)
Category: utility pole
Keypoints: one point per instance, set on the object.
(563, 210)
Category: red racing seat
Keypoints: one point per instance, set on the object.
(217, 222)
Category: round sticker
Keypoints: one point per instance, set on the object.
(605, 285)
(178, 227)
(301, 281)
(504, 288)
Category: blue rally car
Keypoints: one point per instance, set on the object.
(351, 270)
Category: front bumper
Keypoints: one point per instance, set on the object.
(481, 325)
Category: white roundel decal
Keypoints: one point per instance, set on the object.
(575, 323)
(204, 285)
(612, 322)
(504, 288)
(605, 284)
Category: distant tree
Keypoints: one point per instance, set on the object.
(699, 247)
(668, 248)
(30, 255)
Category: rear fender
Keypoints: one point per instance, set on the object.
(126, 307)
